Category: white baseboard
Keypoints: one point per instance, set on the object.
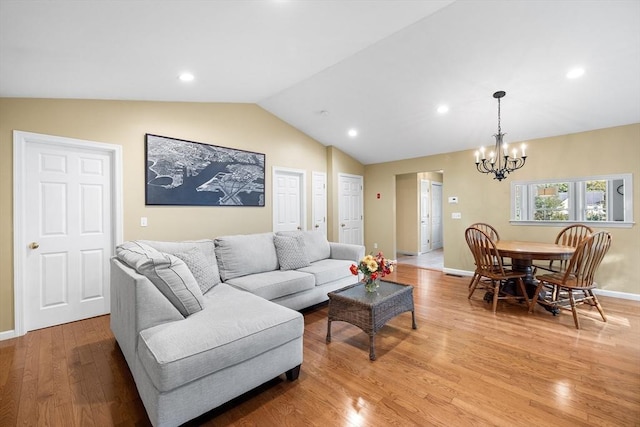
(603, 292)
(6, 335)
(616, 294)
(407, 253)
(454, 272)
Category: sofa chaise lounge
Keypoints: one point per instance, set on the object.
(202, 322)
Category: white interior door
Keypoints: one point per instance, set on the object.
(350, 209)
(425, 228)
(436, 215)
(319, 186)
(288, 200)
(69, 232)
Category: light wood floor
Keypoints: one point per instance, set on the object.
(462, 366)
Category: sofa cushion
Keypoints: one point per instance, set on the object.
(201, 269)
(274, 284)
(168, 273)
(328, 270)
(206, 246)
(245, 254)
(315, 243)
(291, 252)
(235, 326)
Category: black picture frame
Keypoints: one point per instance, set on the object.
(188, 173)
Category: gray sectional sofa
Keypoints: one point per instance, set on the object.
(202, 322)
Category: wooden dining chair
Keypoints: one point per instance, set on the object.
(489, 266)
(576, 283)
(490, 231)
(568, 236)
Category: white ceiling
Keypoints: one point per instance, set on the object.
(382, 67)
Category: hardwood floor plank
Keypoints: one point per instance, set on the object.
(464, 365)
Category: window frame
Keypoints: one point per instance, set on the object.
(523, 191)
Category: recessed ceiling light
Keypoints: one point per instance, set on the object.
(186, 77)
(443, 109)
(575, 73)
(352, 133)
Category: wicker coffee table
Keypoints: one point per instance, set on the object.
(370, 311)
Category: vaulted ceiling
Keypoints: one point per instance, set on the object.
(325, 67)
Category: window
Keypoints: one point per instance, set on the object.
(601, 199)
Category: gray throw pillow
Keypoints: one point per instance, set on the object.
(167, 272)
(291, 252)
(204, 273)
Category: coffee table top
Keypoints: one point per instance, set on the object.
(357, 292)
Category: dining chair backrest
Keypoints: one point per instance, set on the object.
(489, 230)
(587, 258)
(570, 236)
(484, 251)
(573, 235)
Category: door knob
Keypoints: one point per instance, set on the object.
(316, 226)
(299, 228)
(34, 245)
(342, 225)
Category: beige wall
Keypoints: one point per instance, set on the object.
(242, 126)
(599, 152)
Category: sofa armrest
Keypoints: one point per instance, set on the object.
(136, 304)
(346, 251)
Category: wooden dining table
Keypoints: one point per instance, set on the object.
(523, 254)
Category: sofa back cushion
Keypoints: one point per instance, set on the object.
(199, 255)
(245, 254)
(168, 273)
(315, 244)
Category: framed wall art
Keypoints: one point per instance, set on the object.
(187, 173)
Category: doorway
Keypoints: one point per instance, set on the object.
(350, 209)
(419, 219)
(67, 222)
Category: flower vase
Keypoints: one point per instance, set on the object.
(370, 284)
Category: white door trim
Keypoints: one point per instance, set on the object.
(303, 194)
(20, 141)
(315, 177)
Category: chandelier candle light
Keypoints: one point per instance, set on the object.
(499, 162)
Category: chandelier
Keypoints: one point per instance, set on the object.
(500, 163)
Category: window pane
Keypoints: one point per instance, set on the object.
(551, 202)
(596, 201)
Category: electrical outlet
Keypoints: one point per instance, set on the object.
(375, 246)
(143, 221)
(456, 215)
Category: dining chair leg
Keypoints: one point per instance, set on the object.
(595, 301)
(536, 294)
(496, 292)
(574, 310)
(473, 285)
(473, 279)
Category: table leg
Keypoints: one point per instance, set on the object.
(413, 320)
(329, 330)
